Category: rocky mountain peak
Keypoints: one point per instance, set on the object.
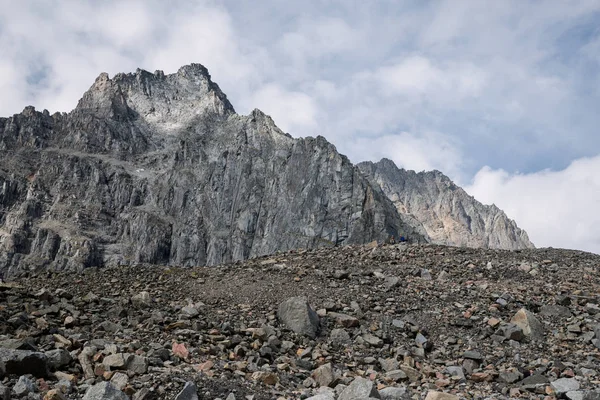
(448, 214)
(165, 102)
(158, 168)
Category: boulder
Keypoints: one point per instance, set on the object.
(23, 362)
(530, 325)
(297, 315)
(104, 391)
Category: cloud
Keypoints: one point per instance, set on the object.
(556, 208)
(424, 152)
(418, 76)
(295, 111)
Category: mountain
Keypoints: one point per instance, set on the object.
(155, 168)
(447, 213)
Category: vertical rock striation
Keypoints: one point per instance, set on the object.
(155, 168)
(447, 213)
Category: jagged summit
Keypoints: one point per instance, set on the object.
(448, 214)
(155, 168)
(166, 102)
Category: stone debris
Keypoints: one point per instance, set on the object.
(246, 330)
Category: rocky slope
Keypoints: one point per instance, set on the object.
(155, 168)
(393, 322)
(446, 212)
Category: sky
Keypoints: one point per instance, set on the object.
(501, 96)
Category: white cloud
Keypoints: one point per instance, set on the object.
(294, 112)
(424, 152)
(556, 208)
(417, 75)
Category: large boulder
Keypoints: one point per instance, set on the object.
(297, 315)
(23, 362)
(530, 325)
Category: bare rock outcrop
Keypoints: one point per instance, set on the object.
(155, 168)
(447, 213)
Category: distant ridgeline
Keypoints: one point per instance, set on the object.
(155, 168)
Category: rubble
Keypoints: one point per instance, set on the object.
(255, 332)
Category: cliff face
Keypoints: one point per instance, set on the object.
(447, 213)
(154, 168)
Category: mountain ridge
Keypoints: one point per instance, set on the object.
(449, 215)
(155, 168)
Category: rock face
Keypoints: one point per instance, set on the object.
(155, 168)
(445, 212)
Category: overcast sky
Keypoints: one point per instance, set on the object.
(502, 96)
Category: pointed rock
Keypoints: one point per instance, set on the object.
(530, 325)
(297, 315)
(189, 392)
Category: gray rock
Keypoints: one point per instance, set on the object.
(510, 376)
(564, 385)
(58, 358)
(141, 299)
(297, 315)
(388, 364)
(554, 310)
(444, 211)
(339, 337)
(104, 391)
(117, 361)
(511, 332)
(23, 387)
(455, 371)
(394, 393)
(575, 395)
(120, 380)
(591, 395)
(396, 375)
(533, 382)
(4, 392)
(23, 362)
(324, 375)
(322, 396)
(359, 389)
(190, 311)
(137, 364)
(391, 282)
(189, 392)
(473, 355)
(372, 340)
